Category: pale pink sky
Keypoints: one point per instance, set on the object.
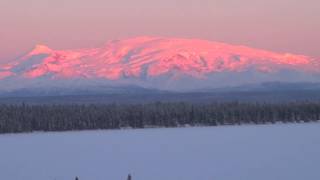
(278, 25)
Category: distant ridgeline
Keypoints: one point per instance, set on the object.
(29, 118)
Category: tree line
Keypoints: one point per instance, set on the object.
(29, 118)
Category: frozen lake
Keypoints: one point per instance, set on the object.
(266, 152)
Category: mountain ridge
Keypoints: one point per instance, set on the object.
(161, 63)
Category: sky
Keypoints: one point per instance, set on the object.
(279, 25)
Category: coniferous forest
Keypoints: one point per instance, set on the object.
(29, 118)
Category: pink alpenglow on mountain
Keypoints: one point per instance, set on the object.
(165, 63)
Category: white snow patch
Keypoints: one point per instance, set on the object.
(269, 152)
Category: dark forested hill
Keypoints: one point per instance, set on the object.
(28, 118)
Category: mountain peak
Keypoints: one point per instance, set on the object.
(166, 63)
(40, 49)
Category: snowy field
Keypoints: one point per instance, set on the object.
(267, 152)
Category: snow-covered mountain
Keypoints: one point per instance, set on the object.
(155, 62)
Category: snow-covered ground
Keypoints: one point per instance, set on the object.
(267, 152)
